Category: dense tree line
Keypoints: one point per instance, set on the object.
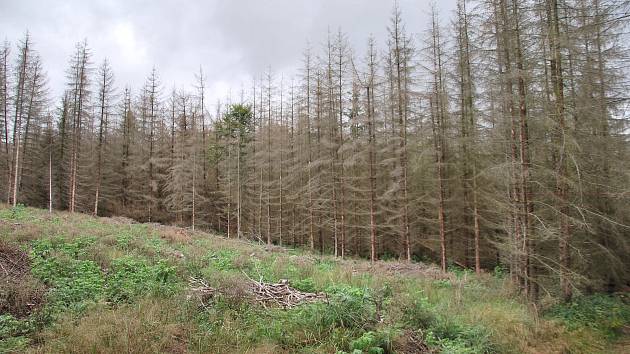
(498, 138)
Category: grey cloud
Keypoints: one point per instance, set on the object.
(232, 40)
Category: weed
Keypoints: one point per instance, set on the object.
(13, 334)
(148, 326)
(73, 281)
(608, 314)
(373, 342)
(442, 283)
(306, 285)
(325, 265)
(420, 313)
(223, 260)
(16, 213)
(131, 277)
(123, 240)
(453, 337)
(500, 271)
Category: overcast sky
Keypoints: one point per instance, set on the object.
(232, 40)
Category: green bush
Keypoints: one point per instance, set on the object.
(500, 271)
(14, 344)
(13, 334)
(442, 283)
(123, 240)
(131, 277)
(349, 306)
(11, 326)
(45, 248)
(347, 313)
(608, 314)
(223, 260)
(420, 314)
(325, 265)
(306, 285)
(454, 338)
(82, 282)
(262, 269)
(445, 333)
(15, 213)
(372, 343)
(73, 281)
(157, 244)
(459, 271)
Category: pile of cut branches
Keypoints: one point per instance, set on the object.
(201, 290)
(266, 294)
(14, 263)
(282, 295)
(20, 293)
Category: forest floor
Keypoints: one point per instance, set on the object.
(72, 283)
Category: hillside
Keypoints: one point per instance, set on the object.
(73, 283)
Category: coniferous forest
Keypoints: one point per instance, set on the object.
(497, 139)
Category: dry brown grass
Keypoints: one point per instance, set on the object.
(174, 235)
(411, 342)
(264, 348)
(23, 232)
(234, 289)
(393, 268)
(20, 293)
(150, 326)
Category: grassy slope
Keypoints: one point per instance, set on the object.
(116, 286)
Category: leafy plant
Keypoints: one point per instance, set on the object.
(500, 271)
(442, 283)
(608, 314)
(421, 313)
(13, 334)
(223, 260)
(350, 306)
(73, 281)
(15, 213)
(324, 265)
(372, 343)
(11, 326)
(131, 277)
(306, 285)
(455, 338)
(124, 239)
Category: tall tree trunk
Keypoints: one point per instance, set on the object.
(438, 117)
(526, 205)
(557, 81)
(401, 67)
(5, 113)
(19, 104)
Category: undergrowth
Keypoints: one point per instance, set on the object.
(121, 287)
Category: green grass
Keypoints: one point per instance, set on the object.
(121, 287)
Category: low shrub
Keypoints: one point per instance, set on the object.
(123, 239)
(349, 306)
(306, 285)
(13, 334)
(604, 313)
(131, 277)
(378, 342)
(452, 337)
(325, 265)
(72, 281)
(16, 213)
(223, 260)
(420, 314)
